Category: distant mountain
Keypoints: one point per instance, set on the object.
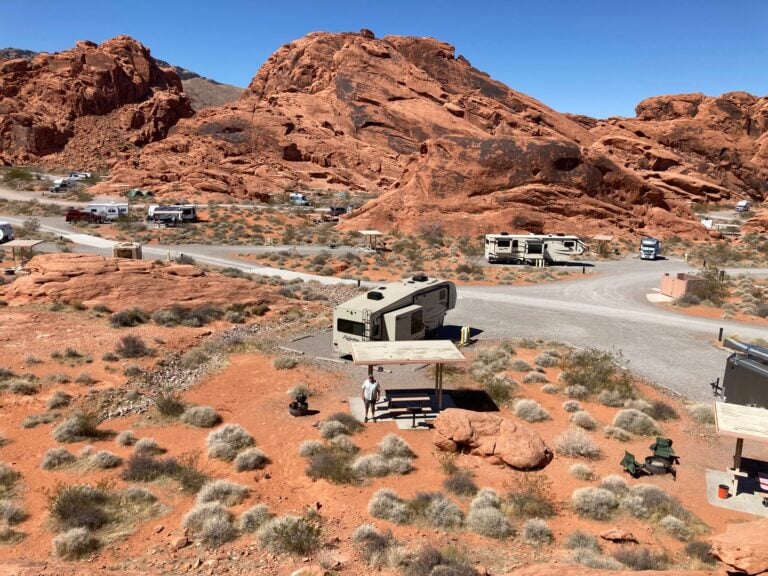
(203, 92)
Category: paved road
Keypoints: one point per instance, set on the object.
(606, 310)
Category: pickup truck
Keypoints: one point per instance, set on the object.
(74, 215)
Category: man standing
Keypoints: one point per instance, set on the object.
(370, 396)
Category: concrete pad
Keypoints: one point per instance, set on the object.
(402, 418)
(658, 298)
(749, 499)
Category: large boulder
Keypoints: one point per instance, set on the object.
(493, 437)
(743, 547)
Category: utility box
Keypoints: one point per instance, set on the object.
(745, 380)
(131, 250)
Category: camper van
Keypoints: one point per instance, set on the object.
(109, 212)
(298, 199)
(405, 310)
(532, 248)
(743, 206)
(650, 248)
(6, 232)
(172, 212)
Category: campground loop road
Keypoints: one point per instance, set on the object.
(606, 309)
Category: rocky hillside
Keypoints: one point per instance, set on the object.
(86, 106)
(439, 141)
(203, 92)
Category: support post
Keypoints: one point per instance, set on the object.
(370, 371)
(737, 455)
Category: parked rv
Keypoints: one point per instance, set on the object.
(743, 206)
(172, 212)
(74, 215)
(79, 175)
(650, 248)
(298, 199)
(110, 212)
(6, 232)
(745, 380)
(405, 310)
(532, 248)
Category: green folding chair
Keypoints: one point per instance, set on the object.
(631, 465)
(663, 449)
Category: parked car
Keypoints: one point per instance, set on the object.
(743, 206)
(74, 215)
(79, 175)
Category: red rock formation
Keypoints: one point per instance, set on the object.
(48, 105)
(743, 547)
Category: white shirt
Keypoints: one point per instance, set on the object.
(370, 389)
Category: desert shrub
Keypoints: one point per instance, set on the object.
(583, 419)
(250, 459)
(100, 309)
(78, 506)
(78, 427)
(615, 484)
(300, 390)
(223, 491)
(400, 465)
(636, 422)
(8, 479)
(594, 503)
(490, 522)
(638, 404)
(226, 442)
(200, 416)
(530, 496)
(546, 360)
(132, 371)
(195, 317)
(10, 536)
(534, 377)
(486, 498)
(57, 458)
(347, 420)
(581, 540)
(344, 443)
(581, 472)
(169, 404)
(700, 551)
(36, 419)
(331, 429)
(460, 483)
(550, 389)
(211, 523)
(520, 365)
(131, 346)
(370, 466)
(571, 405)
(284, 363)
(611, 398)
(125, 438)
(596, 371)
(254, 518)
(530, 411)
(185, 470)
(576, 391)
(85, 379)
(576, 443)
(641, 559)
(392, 445)
(616, 433)
(702, 413)
(330, 463)
(75, 543)
(138, 494)
(433, 562)
(592, 559)
(11, 513)
(298, 535)
(661, 410)
(387, 505)
(647, 501)
(59, 378)
(310, 448)
(373, 545)
(442, 512)
(194, 358)
(128, 318)
(499, 388)
(536, 531)
(59, 399)
(103, 459)
(23, 387)
(147, 447)
(676, 528)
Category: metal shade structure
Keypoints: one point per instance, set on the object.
(371, 238)
(436, 352)
(743, 423)
(21, 249)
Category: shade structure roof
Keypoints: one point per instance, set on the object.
(740, 421)
(21, 244)
(406, 352)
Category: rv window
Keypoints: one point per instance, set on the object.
(443, 295)
(350, 327)
(417, 322)
(502, 243)
(534, 248)
(487, 241)
(569, 244)
(514, 243)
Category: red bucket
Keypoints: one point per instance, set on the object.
(722, 491)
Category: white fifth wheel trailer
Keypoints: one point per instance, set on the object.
(405, 310)
(532, 248)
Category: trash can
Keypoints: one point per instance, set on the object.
(722, 491)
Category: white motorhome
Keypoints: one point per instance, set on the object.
(405, 310)
(298, 199)
(6, 232)
(111, 211)
(532, 248)
(178, 212)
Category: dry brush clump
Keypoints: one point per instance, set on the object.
(594, 503)
(147, 447)
(79, 427)
(126, 438)
(530, 411)
(222, 491)
(486, 516)
(250, 459)
(387, 505)
(581, 472)
(597, 371)
(185, 470)
(201, 416)
(702, 413)
(57, 458)
(617, 434)
(574, 442)
(254, 518)
(210, 523)
(226, 442)
(639, 559)
(298, 535)
(75, 543)
(376, 547)
(583, 419)
(460, 483)
(636, 422)
(536, 531)
(447, 561)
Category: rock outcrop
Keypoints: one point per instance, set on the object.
(122, 283)
(493, 437)
(743, 547)
(575, 570)
(84, 106)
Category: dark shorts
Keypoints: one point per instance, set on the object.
(371, 403)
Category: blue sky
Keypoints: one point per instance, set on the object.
(598, 58)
